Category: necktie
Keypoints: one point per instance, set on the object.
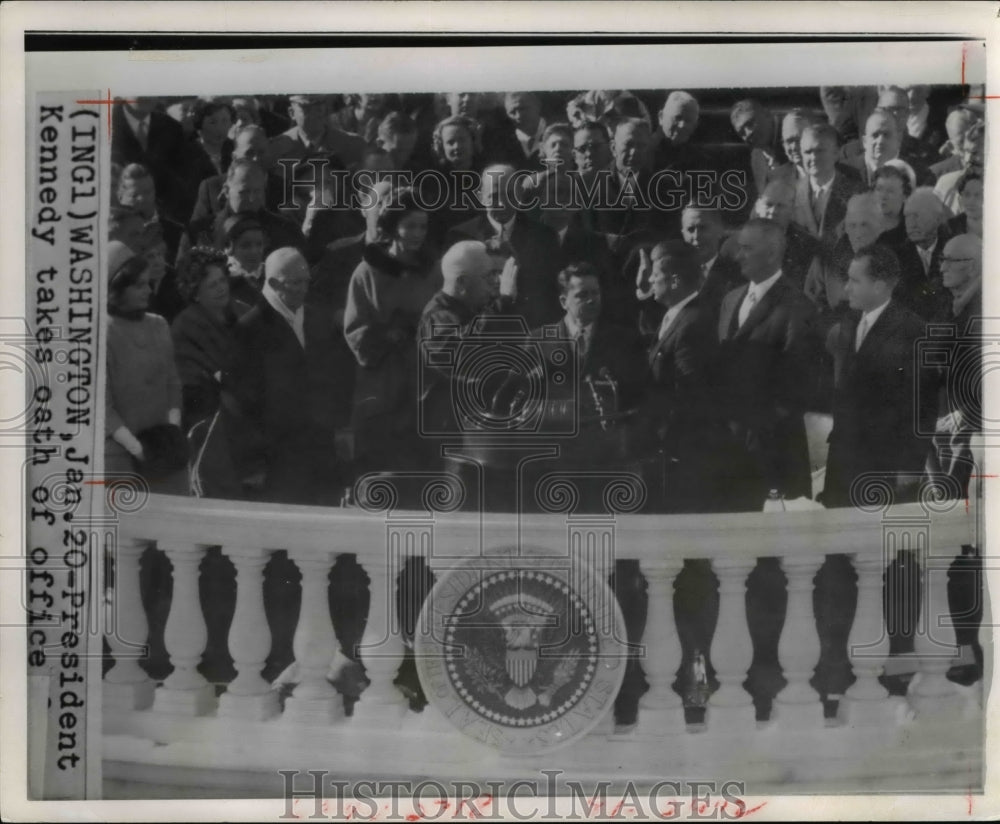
(582, 344)
(818, 207)
(141, 134)
(925, 258)
(862, 331)
(747, 306)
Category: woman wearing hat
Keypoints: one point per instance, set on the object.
(387, 294)
(143, 393)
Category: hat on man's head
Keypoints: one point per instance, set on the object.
(306, 99)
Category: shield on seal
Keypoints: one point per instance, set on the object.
(521, 664)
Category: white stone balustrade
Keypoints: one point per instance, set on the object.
(732, 649)
(314, 537)
(798, 706)
(933, 693)
(314, 700)
(185, 691)
(866, 701)
(661, 709)
(381, 651)
(249, 695)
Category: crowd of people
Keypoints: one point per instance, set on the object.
(283, 268)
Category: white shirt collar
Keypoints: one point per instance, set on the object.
(673, 312)
(821, 190)
(501, 228)
(530, 141)
(927, 253)
(133, 121)
(574, 328)
(873, 315)
(762, 288)
(562, 234)
(916, 123)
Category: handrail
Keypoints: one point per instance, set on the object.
(462, 534)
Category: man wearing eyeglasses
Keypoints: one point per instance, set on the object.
(591, 150)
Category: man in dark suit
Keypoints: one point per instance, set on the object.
(702, 229)
(313, 137)
(925, 125)
(511, 233)
(768, 351)
(288, 399)
(285, 387)
(245, 189)
(603, 350)
(920, 288)
(141, 135)
(821, 196)
(881, 142)
(683, 351)
(250, 142)
(777, 203)
(137, 191)
(916, 152)
(689, 435)
(519, 143)
(878, 415)
(629, 209)
(672, 145)
(766, 332)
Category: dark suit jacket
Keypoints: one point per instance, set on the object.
(723, 276)
(876, 415)
(841, 190)
(165, 156)
(923, 292)
(682, 365)
(211, 200)
(615, 213)
(683, 413)
(536, 249)
(765, 367)
(292, 398)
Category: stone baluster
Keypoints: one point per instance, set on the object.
(866, 701)
(381, 704)
(185, 690)
(126, 686)
(314, 700)
(935, 645)
(248, 694)
(798, 706)
(731, 707)
(662, 710)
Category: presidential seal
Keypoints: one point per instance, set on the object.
(521, 651)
